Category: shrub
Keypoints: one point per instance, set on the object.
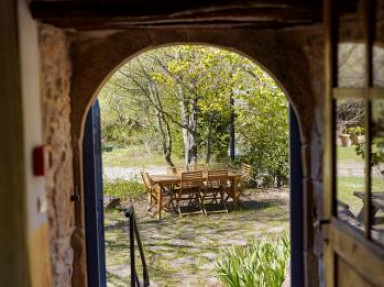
(124, 189)
(105, 147)
(356, 130)
(259, 263)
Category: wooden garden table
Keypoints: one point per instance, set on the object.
(162, 181)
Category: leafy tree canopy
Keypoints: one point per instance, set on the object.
(177, 101)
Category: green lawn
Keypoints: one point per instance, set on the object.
(348, 155)
(135, 156)
(138, 156)
(347, 185)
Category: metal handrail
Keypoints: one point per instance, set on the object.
(134, 234)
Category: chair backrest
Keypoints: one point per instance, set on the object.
(197, 167)
(217, 178)
(173, 170)
(191, 179)
(146, 180)
(246, 170)
(217, 166)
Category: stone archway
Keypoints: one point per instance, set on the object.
(284, 54)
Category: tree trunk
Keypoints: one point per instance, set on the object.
(168, 146)
(165, 132)
(166, 140)
(184, 119)
(209, 140)
(192, 133)
(189, 112)
(232, 129)
(189, 134)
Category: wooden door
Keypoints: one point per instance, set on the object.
(93, 195)
(354, 144)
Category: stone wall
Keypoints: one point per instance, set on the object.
(293, 56)
(73, 71)
(55, 77)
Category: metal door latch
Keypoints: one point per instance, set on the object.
(75, 197)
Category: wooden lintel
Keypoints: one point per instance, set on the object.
(101, 14)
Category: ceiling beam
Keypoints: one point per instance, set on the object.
(156, 13)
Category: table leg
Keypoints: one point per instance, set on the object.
(159, 200)
(234, 193)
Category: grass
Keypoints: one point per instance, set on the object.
(138, 156)
(347, 185)
(135, 156)
(348, 155)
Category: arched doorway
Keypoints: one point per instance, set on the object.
(297, 201)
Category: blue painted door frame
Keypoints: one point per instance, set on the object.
(296, 202)
(93, 195)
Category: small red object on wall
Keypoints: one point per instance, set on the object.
(42, 160)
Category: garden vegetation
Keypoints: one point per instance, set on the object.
(202, 104)
(260, 263)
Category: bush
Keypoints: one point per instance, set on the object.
(260, 263)
(105, 147)
(124, 189)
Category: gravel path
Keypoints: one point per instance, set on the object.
(130, 173)
(355, 170)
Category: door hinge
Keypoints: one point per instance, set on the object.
(322, 226)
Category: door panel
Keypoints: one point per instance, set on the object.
(348, 277)
(353, 177)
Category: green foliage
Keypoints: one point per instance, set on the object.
(356, 130)
(105, 147)
(124, 189)
(156, 88)
(263, 135)
(260, 263)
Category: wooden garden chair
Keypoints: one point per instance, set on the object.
(197, 167)
(190, 190)
(246, 176)
(168, 195)
(216, 187)
(173, 170)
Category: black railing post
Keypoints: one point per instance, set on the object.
(134, 233)
(129, 214)
(141, 251)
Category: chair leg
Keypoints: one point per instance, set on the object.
(149, 199)
(151, 206)
(177, 198)
(201, 204)
(172, 199)
(223, 201)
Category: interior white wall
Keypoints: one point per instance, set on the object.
(32, 112)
